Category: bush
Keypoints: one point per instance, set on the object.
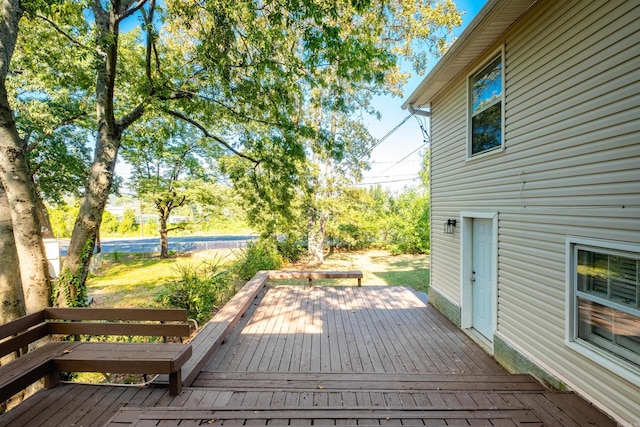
(292, 249)
(198, 290)
(257, 255)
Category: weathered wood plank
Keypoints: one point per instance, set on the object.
(298, 274)
(26, 370)
(263, 325)
(361, 412)
(21, 324)
(24, 339)
(365, 381)
(129, 329)
(119, 314)
(123, 357)
(50, 400)
(209, 339)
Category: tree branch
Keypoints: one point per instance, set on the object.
(64, 33)
(210, 135)
(132, 116)
(148, 19)
(234, 112)
(64, 122)
(128, 12)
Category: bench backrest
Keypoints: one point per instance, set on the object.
(21, 332)
(149, 322)
(118, 321)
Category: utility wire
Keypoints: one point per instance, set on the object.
(387, 182)
(399, 161)
(381, 140)
(376, 162)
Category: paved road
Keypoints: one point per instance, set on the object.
(179, 244)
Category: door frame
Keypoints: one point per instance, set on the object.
(466, 252)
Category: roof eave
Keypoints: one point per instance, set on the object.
(493, 20)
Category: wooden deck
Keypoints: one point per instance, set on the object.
(327, 356)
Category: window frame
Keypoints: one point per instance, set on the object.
(605, 358)
(499, 53)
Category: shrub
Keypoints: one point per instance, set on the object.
(199, 290)
(292, 249)
(258, 255)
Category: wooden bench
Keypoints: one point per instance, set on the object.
(310, 275)
(51, 356)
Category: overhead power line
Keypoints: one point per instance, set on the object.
(402, 159)
(388, 182)
(381, 140)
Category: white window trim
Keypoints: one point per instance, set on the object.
(618, 366)
(499, 149)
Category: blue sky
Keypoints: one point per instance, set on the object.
(395, 163)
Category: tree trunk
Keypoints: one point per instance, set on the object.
(164, 237)
(315, 235)
(11, 297)
(72, 280)
(43, 217)
(16, 179)
(72, 287)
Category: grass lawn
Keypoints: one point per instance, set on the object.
(135, 280)
(379, 268)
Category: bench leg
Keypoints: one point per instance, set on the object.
(359, 283)
(310, 281)
(175, 383)
(52, 379)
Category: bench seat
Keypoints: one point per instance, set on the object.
(310, 275)
(139, 358)
(38, 363)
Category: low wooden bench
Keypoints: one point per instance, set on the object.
(51, 356)
(310, 275)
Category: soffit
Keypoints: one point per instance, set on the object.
(486, 28)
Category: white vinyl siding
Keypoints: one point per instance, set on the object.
(570, 166)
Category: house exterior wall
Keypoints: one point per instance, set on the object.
(571, 167)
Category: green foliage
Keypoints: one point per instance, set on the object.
(199, 290)
(258, 255)
(410, 223)
(128, 223)
(62, 218)
(291, 247)
(109, 225)
(375, 218)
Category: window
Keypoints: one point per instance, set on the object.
(486, 102)
(605, 300)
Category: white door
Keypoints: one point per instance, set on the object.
(482, 276)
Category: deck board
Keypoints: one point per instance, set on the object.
(326, 356)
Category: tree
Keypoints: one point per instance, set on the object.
(15, 177)
(237, 71)
(169, 163)
(409, 220)
(336, 150)
(329, 177)
(11, 296)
